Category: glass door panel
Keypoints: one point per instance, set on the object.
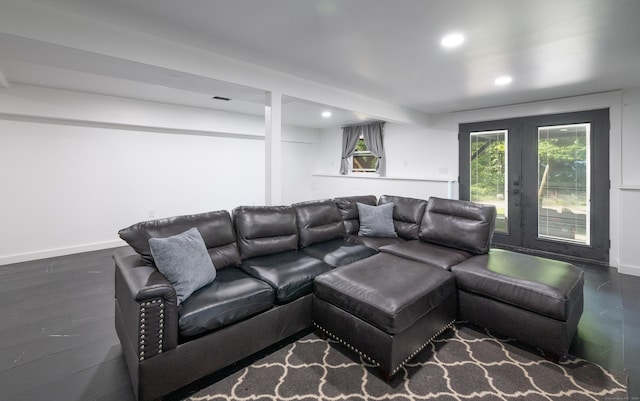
(488, 173)
(564, 183)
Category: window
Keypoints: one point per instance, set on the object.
(362, 149)
(363, 161)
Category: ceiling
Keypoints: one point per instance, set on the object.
(379, 49)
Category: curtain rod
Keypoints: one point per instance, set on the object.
(362, 125)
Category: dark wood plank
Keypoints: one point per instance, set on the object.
(28, 328)
(60, 365)
(631, 313)
(89, 260)
(600, 336)
(71, 306)
(108, 381)
(65, 340)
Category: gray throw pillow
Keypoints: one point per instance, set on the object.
(183, 259)
(376, 221)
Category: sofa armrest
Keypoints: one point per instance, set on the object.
(146, 306)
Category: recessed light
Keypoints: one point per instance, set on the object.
(504, 80)
(452, 40)
(326, 114)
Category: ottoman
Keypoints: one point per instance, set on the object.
(535, 300)
(385, 307)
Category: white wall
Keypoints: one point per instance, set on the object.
(629, 189)
(296, 172)
(45, 104)
(75, 168)
(630, 142)
(418, 152)
(66, 186)
(421, 162)
(326, 187)
(412, 151)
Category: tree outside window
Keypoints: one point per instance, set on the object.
(363, 160)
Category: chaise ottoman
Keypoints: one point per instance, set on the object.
(535, 300)
(385, 307)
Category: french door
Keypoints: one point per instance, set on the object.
(548, 177)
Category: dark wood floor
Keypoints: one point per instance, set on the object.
(58, 342)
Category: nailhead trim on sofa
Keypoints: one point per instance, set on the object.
(346, 344)
(417, 351)
(150, 311)
(397, 368)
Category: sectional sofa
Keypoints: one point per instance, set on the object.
(384, 276)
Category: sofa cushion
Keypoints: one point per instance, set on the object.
(388, 292)
(265, 230)
(232, 297)
(458, 224)
(407, 214)
(339, 252)
(215, 227)
(318, 221)
(376, 221)
(375, 242)
(349, 210)
(539, 285)
(290, 273)
(184, 261)
(424, 252)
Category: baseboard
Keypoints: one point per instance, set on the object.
(631, 270)
(52, 253)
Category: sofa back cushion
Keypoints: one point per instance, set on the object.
(216, 229)
(265, 230)
(458, 224)
(407, 214)
(349, 211)
(318, 221)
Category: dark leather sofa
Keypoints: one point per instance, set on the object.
(270, 259)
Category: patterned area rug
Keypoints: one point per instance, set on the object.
(462, 364)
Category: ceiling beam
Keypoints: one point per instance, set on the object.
(57, 30)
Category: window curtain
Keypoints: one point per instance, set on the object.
(350, 136)
(372, 134)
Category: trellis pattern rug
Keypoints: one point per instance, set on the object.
(462, 364)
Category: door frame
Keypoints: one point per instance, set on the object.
(523, 202)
